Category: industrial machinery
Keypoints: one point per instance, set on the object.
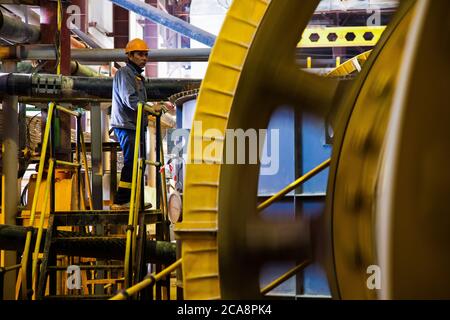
(387, 184)
(379, 230)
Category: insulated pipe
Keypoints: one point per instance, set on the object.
(12, 238)
(15, 30)
(171, 22)
(56, 87)
(77, 69)
(47, 52)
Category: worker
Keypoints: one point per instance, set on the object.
(128, 91)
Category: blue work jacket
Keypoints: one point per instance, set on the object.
(128, 90)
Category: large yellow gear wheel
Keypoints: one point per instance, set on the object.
(251, 72)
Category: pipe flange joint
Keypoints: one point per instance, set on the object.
(48, 84)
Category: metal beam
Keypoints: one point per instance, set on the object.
(168, 21)
(332, 37)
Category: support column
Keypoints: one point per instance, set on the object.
(339, 52)
(97, 175)
(97, 156)
(106, 155)
(10, 195)
(151, 154)
(49, 28)
(151, 38)
(121, 27)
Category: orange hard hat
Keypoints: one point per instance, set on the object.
(136, 45)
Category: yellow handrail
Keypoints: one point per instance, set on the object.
(67, 164)
(133, 194)
(163, 182)
(152, 163)
(294, 185)
(152, 111)
(86, 171)
(68, 111)
(138, 191)
(136, 207)
(26, 250)
(41, 223)
(145, 283)
(284, 277)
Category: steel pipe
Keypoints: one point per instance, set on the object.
(149, 280)
(101, 56)
(15, 30)
(167, 20)
(76, 69)
(164, 55)
(47, 52)
(57, 88)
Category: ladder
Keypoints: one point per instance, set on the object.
(54, 240)
(43, 275)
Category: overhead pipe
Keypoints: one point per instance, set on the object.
(163, 55)
(77, 69)
(101, 56)
(56, 87)
(15, 30)
(82, 70)
(47, 52)
(167, 20)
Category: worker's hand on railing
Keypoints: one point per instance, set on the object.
(159, 107)
(168, 106)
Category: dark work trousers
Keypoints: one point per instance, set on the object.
(127, 140)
